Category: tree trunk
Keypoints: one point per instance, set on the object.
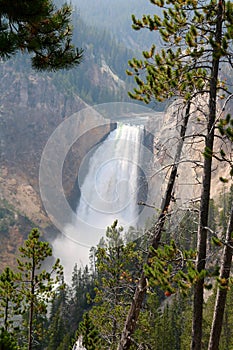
(222, 290)
(6, 314)
(132, 317)
(31, 310)
(196, 343)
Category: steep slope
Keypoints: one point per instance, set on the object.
(115, 16)
(32, 105)
(31, 108)
(101, 77)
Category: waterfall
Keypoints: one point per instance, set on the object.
(120, 172)
(109, 184)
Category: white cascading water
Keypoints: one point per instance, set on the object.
(109, 189)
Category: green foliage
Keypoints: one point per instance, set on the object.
(207, 153)
(82, 291)
(40, 29)
(59, 320)
(67, 308)
(162, 322)
(118, 269)
(165, 320)
(32, 255)
(88, 333)
(6, 219)
(172, 269)
(179, 69)
(36, 286)
(196, 36)
(166, 324)
(226, 335)
(7, 341)
(25, 296)
(226, 340)
(7, 216)
(100, 48)
(10, 298)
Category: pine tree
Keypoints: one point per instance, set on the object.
(7, 341)
(37, 286)
(61, 327)
(39, 29)
(202, 34)
(117, 271)
(223, 283)
(9, 298)
(82, 291)
(88, 334)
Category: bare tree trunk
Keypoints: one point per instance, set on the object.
(221, 296)
(196, 343)
(6, 314)
(31, 310)
(132, 317)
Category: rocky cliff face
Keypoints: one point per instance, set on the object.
(190, 171)
(31, 108)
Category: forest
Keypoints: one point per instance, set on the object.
(172, 287)
(93, 305)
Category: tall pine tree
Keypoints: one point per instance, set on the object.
(37, 286)
(202, 34)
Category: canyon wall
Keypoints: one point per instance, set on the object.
(31, 108)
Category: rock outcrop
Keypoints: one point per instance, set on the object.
(31, 108)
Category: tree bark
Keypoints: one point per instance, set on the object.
(221, 296)
(132, 317)
(196, 343)
(32, 296)
(6, 314)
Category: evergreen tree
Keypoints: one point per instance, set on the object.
(38, 28)
(202, 34)
(7, 341)
(223, 283)
(60, 322)
(67, 308)
(117, 269)
(226, 340)
(82, 292)
(9, 298)
(37, 286)
(88, 334)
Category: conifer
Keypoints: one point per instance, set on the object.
(40, 29)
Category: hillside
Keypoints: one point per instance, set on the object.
(136, 202)
(101, 76)
(32, 106)
(115, 16)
